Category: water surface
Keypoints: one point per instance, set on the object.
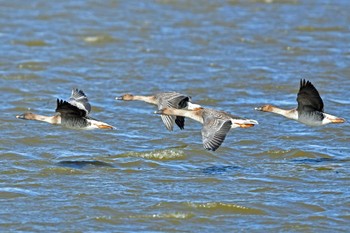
(279, 176)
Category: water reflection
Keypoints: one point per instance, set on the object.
(83, 163)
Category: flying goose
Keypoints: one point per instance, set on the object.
(310, 110)
(216, 124)
(163, 100)
(73, 113)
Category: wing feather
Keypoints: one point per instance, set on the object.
(172, 100)
(214, 132)
(308, 97)
(68, 110)
(80, 100)
(168, 121)
(180, 121)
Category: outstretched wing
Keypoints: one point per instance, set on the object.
(80, 100)
(68, 110)
(172, 100)
(214, 132)
(308, 97)
(180, 121)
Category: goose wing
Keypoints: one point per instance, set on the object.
(68, 110)
(308, 97)
(214, 131)
(80, 100)
(172, 100)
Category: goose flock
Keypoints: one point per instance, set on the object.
(174, 107)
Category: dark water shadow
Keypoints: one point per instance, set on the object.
(219, 169)
(317, 160)
(83, 163)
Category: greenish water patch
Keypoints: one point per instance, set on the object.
(31, 43)
(20, 76)
(319, 29)
(60, 171)
(295, 153)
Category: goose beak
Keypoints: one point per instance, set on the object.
(158, 112)
(258, 108)
(246, 125)
(119, 98)
(106, 127)
(337, 120)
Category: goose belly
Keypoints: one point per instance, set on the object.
(311, 119)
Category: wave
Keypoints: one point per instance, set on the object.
(167, 154)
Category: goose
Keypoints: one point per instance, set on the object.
(216, 124)
(73, 113)
(310, 110)
(163, 100)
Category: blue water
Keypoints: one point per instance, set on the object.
(279, 176)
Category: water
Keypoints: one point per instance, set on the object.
(279, 176)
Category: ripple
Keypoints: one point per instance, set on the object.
(12, 155)
(13, 171)
(278, 1)
(59, 171)
(100, 39)
(15, 192)
(32, 65)
(214, 170)
(169, 215)
(168, 154)
(226, 207)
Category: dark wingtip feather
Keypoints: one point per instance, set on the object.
(211, 148)
(304, 82)
(180, 122)
(309, 96)
(60, 102)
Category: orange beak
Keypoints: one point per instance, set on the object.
(337, 120)
(246, 125)
(105, 127)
